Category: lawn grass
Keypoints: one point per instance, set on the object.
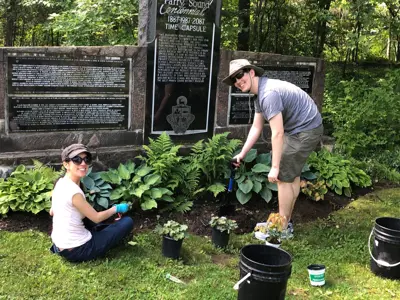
(29, 271)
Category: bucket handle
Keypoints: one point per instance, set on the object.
(236, 286)
(379, 261)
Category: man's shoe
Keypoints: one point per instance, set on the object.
(290, 227)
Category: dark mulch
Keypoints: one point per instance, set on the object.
(256, 210)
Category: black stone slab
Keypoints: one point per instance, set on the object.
(67, 113)
(183, 61)
(53, 75)
(300, 75)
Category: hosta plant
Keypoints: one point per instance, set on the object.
(252, 177)
(97, 191)
(223, 224)
(136, 183)
(338, 173)
(172, 229)
(28, 189)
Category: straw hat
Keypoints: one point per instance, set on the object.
(240, 64)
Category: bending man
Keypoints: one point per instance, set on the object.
(295, 122)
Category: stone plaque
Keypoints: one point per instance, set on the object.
(53, 93)
(50, 75)
(239, 111)
(183, 61)
(67, 113)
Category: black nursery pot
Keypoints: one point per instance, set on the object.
(220, 238)
(171, 248)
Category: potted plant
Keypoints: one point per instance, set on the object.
(173, 234)
(221, 228)
(273, 230)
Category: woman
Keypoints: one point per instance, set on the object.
(70, 237)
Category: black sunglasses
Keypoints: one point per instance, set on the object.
(77, 160)
(239, 75)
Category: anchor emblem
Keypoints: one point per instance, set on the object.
(181, 117)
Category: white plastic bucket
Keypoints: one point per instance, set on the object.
(316, 274)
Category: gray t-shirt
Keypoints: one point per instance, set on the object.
(299, 111)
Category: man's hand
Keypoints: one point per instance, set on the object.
(273, 175)
(237, 159)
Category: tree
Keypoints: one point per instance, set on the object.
(244, 25)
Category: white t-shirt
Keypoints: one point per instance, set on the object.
(68, 229)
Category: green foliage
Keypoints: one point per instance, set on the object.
(97, 191)
(97, 23)
(377, 171)
(364, 114)
(314, 190)
(162, 156)
(136, 184)
(28, 189)
(172, 229)
(252, 177)
(212, 158)
(338, 173)
(223, 224)
(178, 173)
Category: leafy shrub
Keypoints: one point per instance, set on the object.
(97, 191)
(172, 229)
(338, 173)
(28, 189)
(223, 224)
(377, 171)
(364, 114)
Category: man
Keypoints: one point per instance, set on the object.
(295, 122)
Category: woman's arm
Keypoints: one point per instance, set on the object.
(88, 211)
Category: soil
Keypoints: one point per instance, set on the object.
(256, 210)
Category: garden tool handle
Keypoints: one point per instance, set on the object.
(236, 286)
(379, 261)
(232, 177)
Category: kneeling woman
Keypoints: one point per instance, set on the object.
(69, 206)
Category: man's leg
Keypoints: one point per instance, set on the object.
(296, 192)
(286, 199)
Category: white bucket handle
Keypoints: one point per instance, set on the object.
(236, 286)
(379, 261)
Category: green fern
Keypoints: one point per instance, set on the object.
(212, 157)
(162, 157)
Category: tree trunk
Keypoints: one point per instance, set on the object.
(398, 49)
(244, 25)
(9, 24)
(321, 30)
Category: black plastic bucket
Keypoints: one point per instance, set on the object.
(171, 248)
(266, 269)
(385, 254)
(219, 238)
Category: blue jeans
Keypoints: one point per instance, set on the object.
(103, 239)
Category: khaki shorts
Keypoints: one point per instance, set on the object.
(296, 149)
